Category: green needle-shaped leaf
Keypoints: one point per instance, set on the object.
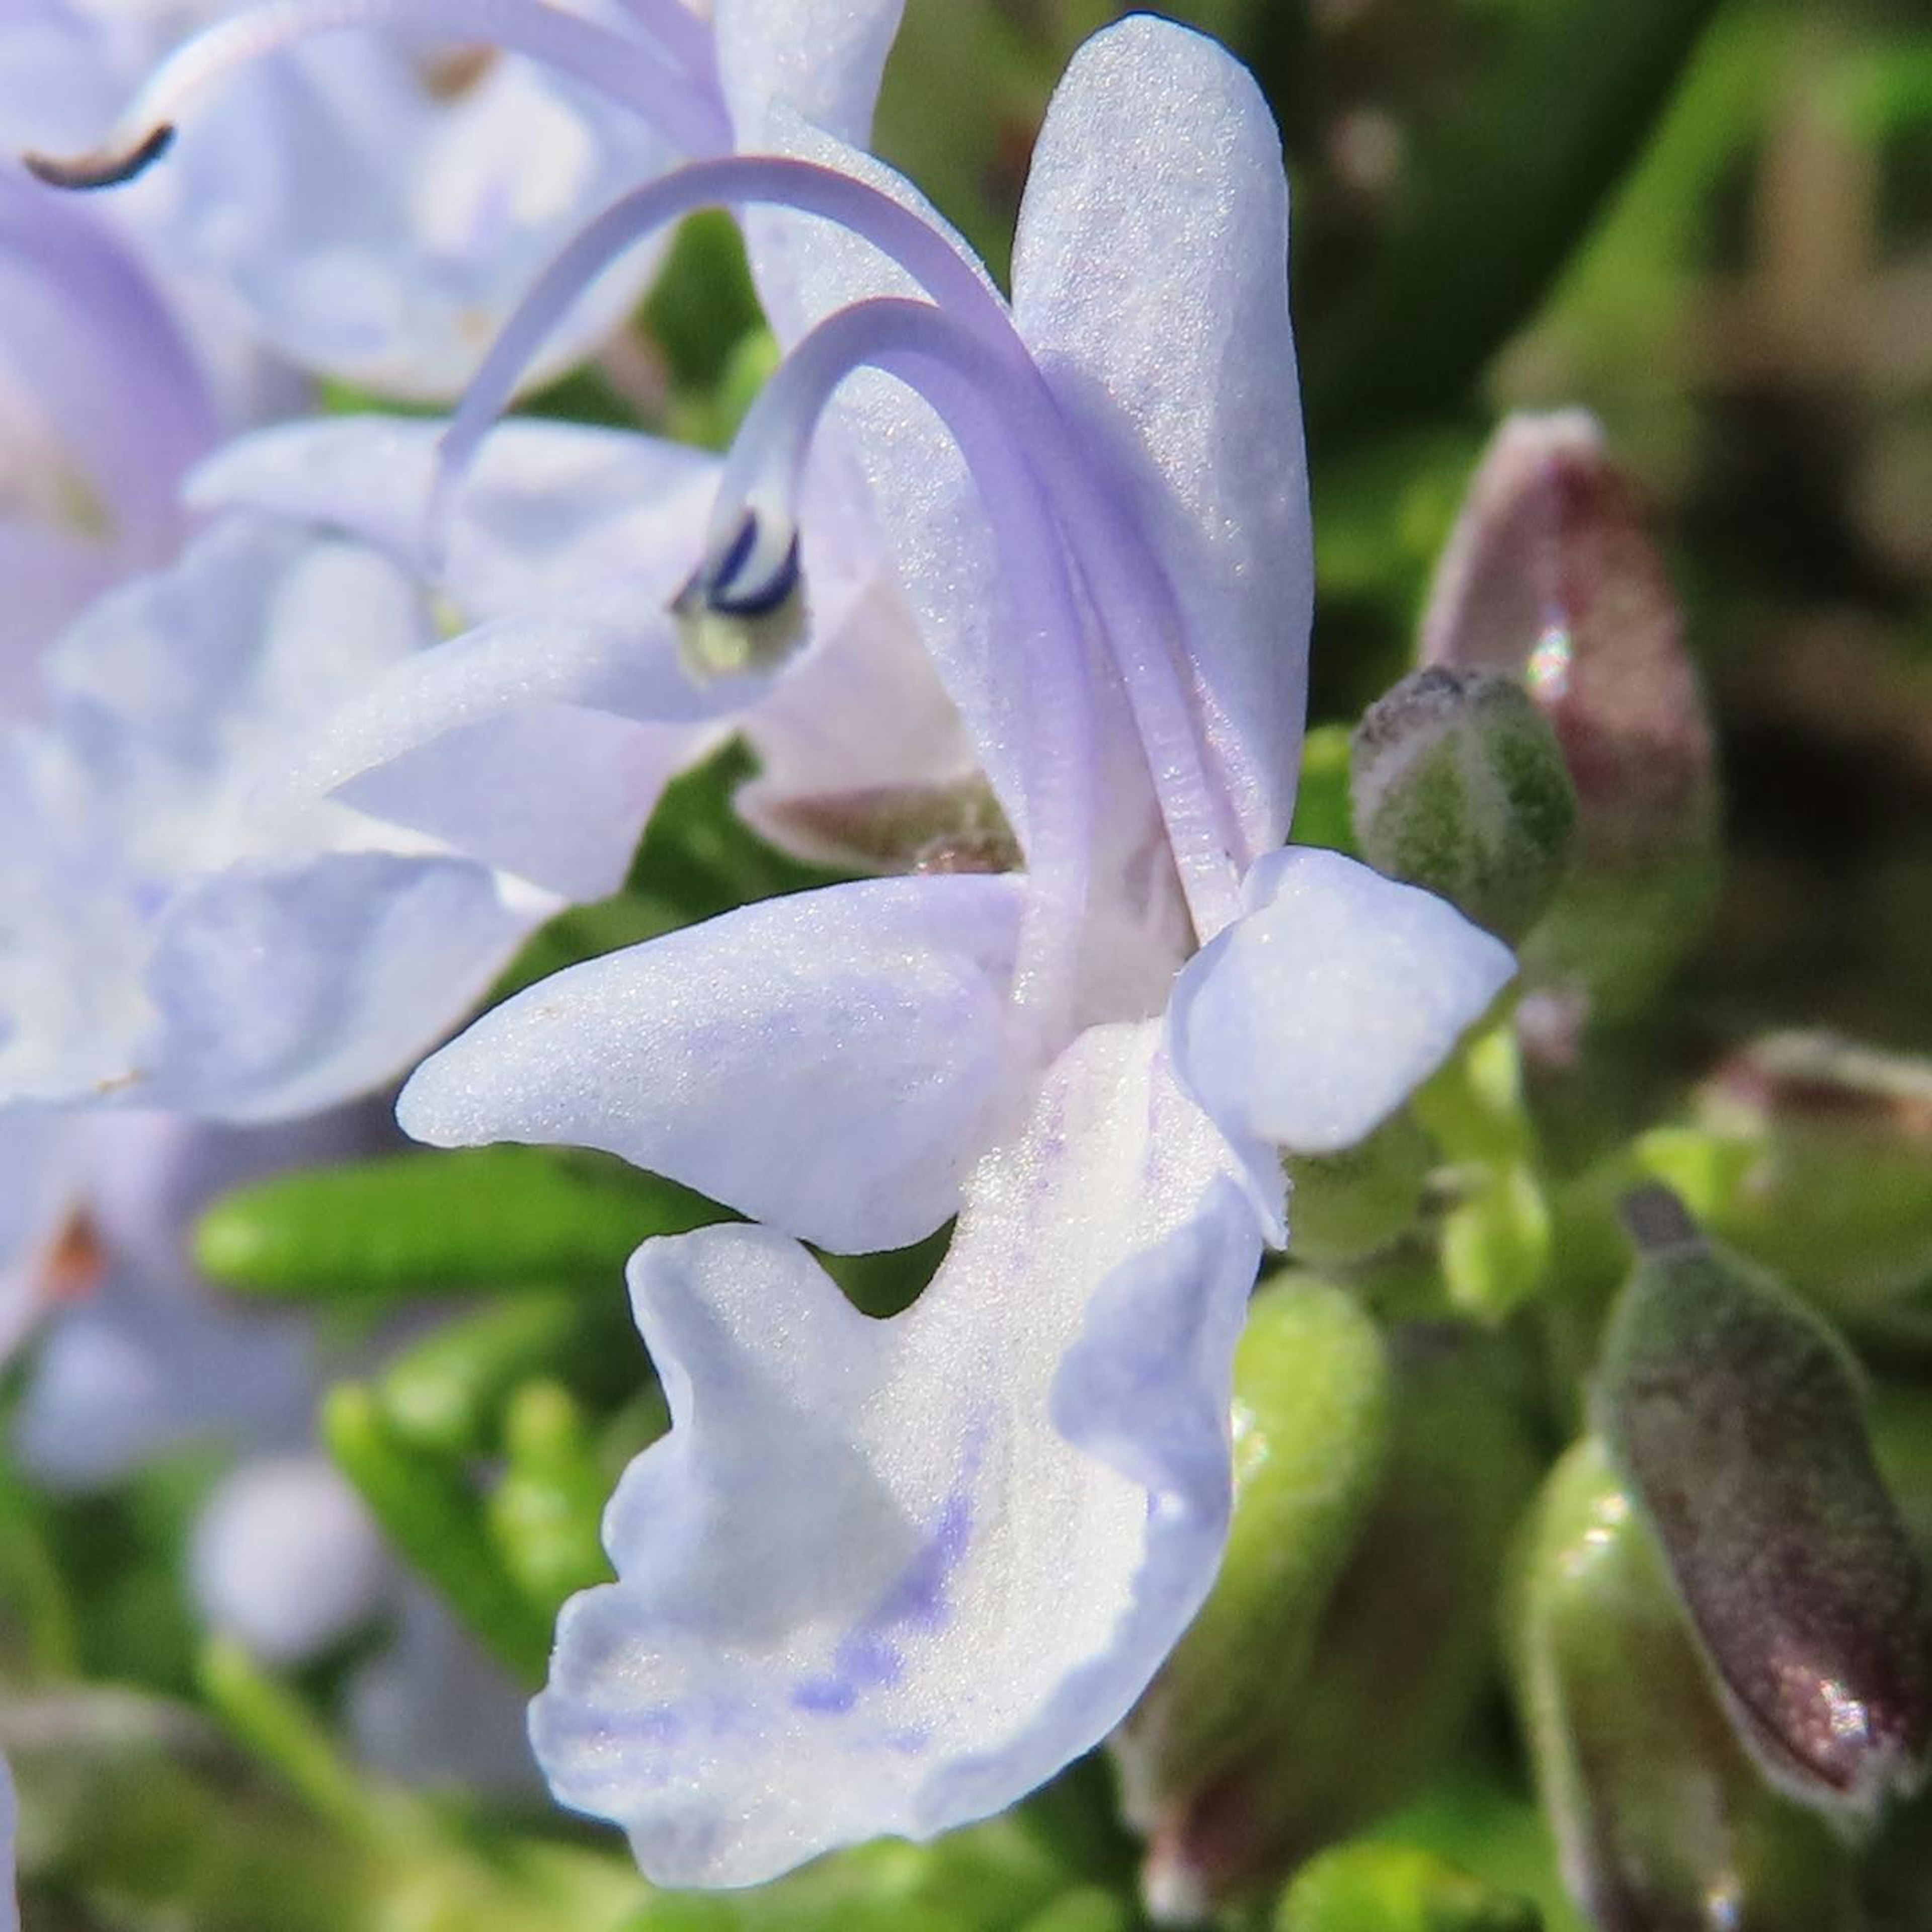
(421, 1223)
(433, 1514)
(1498, 202)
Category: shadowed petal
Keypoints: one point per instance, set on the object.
(825, 1062)
(1337, 992)
(887, 1577)
(281, 991)
(1148, 280)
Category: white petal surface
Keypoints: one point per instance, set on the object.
(1151, 281)
(886, 1576)
(280, 990)
(1315, 1015)
(821, 58)
(824, 1062)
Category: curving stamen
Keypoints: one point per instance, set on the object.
(632, 72)
(954, 371)
(1138, 608)
(680, 33)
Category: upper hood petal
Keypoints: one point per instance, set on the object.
(1150, 282)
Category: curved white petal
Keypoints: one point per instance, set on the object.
(825, 1062)
(886, 1576)
(1314, 1016)
(609, 648)
(1151, 281)
(282, 991)
(547, 507)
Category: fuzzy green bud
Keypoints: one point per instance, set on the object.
(1664, 1823)
(1310, 1422)
(1402, 1652)
(1344, 1206)
(1458, 785)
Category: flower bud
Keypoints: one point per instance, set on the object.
(1345, 1207)
(1311, 1389)
(1831, 1181)
(1550, 578)
(1401, 1654)
(1457, 785)
(1735, 1417)
(1396, 1888)
(1663, 1822)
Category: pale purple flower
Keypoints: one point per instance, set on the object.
(102, 408)
(186, 930)
(375, 204)
(539, 737)
(885, 1577)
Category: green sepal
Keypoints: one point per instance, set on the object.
(1310, 1430)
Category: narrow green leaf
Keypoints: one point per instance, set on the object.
(1499, 201)
(420, 1222)
(433, 1514)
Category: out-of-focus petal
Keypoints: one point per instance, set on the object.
(39, 1183)
(547, 507)
(1149, 282)
(281, 991)
(825, 1062)
(884, 1577)
(1337, 993)
(285, 1559)
(968, 1567)
(375, 229)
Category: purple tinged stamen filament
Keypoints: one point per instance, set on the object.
(632, 72)
(1133, 599)
(950, 368)
(679, 33)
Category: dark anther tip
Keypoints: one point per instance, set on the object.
(102, 170)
